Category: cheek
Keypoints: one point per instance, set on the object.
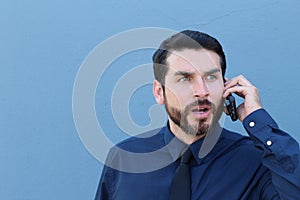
(215, 85)
(216, 93)
(176, 98)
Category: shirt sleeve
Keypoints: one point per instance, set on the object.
(281, 154)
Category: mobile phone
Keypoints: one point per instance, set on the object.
(231, 107)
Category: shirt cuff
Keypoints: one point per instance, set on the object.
(280, 149)
(256, 124)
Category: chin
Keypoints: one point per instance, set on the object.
(202, 132)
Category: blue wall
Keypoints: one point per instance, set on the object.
(43, 44)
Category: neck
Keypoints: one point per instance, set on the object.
(182, 135)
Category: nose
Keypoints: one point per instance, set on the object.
(200, 89)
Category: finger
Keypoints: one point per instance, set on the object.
(241, 91)
(237, 81)
(232, 83)
(243, 81)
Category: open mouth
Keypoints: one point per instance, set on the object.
(201, 109)
(201, 112)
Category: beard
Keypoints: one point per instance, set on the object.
(180, 118)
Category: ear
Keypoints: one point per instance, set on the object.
(158, 92)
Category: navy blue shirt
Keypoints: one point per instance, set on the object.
(262, 166)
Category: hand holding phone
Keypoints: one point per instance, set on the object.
(243, 88)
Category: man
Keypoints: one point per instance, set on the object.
(189, 70)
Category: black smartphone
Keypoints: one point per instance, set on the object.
(231, 107)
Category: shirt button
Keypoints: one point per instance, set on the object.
(269, 142)
(252, 124)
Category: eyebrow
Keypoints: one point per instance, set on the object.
(186, 73)
(212, 71)
(183, 73)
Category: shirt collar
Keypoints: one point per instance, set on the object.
(207, 147)
(176, 147)
(195, 148)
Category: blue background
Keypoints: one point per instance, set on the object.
(43, 43)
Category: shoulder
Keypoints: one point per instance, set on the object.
(144, 142)
(240, 145)
(140, 144)
(139, 154)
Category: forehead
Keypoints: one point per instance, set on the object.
(193, 60)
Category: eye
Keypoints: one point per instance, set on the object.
(182, 79)
(211, 77)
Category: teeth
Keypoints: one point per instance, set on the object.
(201, 110)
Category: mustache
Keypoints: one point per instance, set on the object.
(200, 103)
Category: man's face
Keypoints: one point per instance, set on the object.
(193, 90)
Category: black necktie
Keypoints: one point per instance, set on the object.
(181, 185)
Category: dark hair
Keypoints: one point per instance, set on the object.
(187, 39)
